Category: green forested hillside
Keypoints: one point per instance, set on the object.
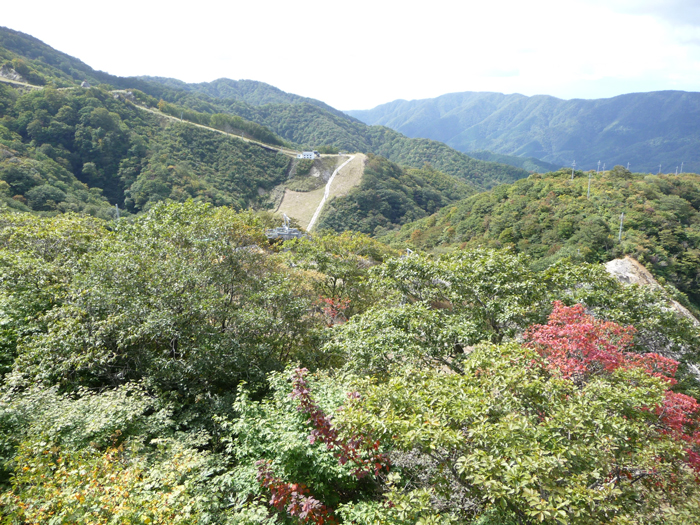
(250, 92)
(78, 149)
(389, 196)
(134, 158)
(96, 150)
(643, 129)
(310, 125)
(526, 163)
(549, 217)
(40, 64)
(176, 369)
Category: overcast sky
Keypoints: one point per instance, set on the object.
(356, 55)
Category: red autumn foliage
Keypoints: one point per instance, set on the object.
(294, 498)
(334, 309)
(578, 346)
(694, 460)
(360, 450)
(679, 415)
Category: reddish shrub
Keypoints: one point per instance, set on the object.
(360, 449)
(577, 346)
(294, 498)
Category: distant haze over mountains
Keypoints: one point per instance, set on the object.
(644, 129)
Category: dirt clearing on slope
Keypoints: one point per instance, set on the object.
(349, 177)
(302, 205)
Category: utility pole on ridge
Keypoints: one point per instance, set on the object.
(588, 194)
(622, 217)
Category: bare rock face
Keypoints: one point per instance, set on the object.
(11, 74)
(629, 271)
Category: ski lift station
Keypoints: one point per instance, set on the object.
(284, 232)
(308, 155)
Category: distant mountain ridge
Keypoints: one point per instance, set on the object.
(311, 123)
(644, 129)
(251, 92)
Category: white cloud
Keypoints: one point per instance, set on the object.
(683, 12)
(359, 54)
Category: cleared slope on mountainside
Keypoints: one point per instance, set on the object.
(390, 195)
(302, 205)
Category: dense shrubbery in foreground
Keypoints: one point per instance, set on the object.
(176, 368)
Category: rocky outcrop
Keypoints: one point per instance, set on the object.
(11, 74)
(630, 271)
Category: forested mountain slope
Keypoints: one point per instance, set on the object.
(306, 122)
(88, 149)
(389, 196)
(84, 149)
(250, 92)
(310, 124)
(549, 217)
(40, 64)
(526, 163)
(644, 129)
